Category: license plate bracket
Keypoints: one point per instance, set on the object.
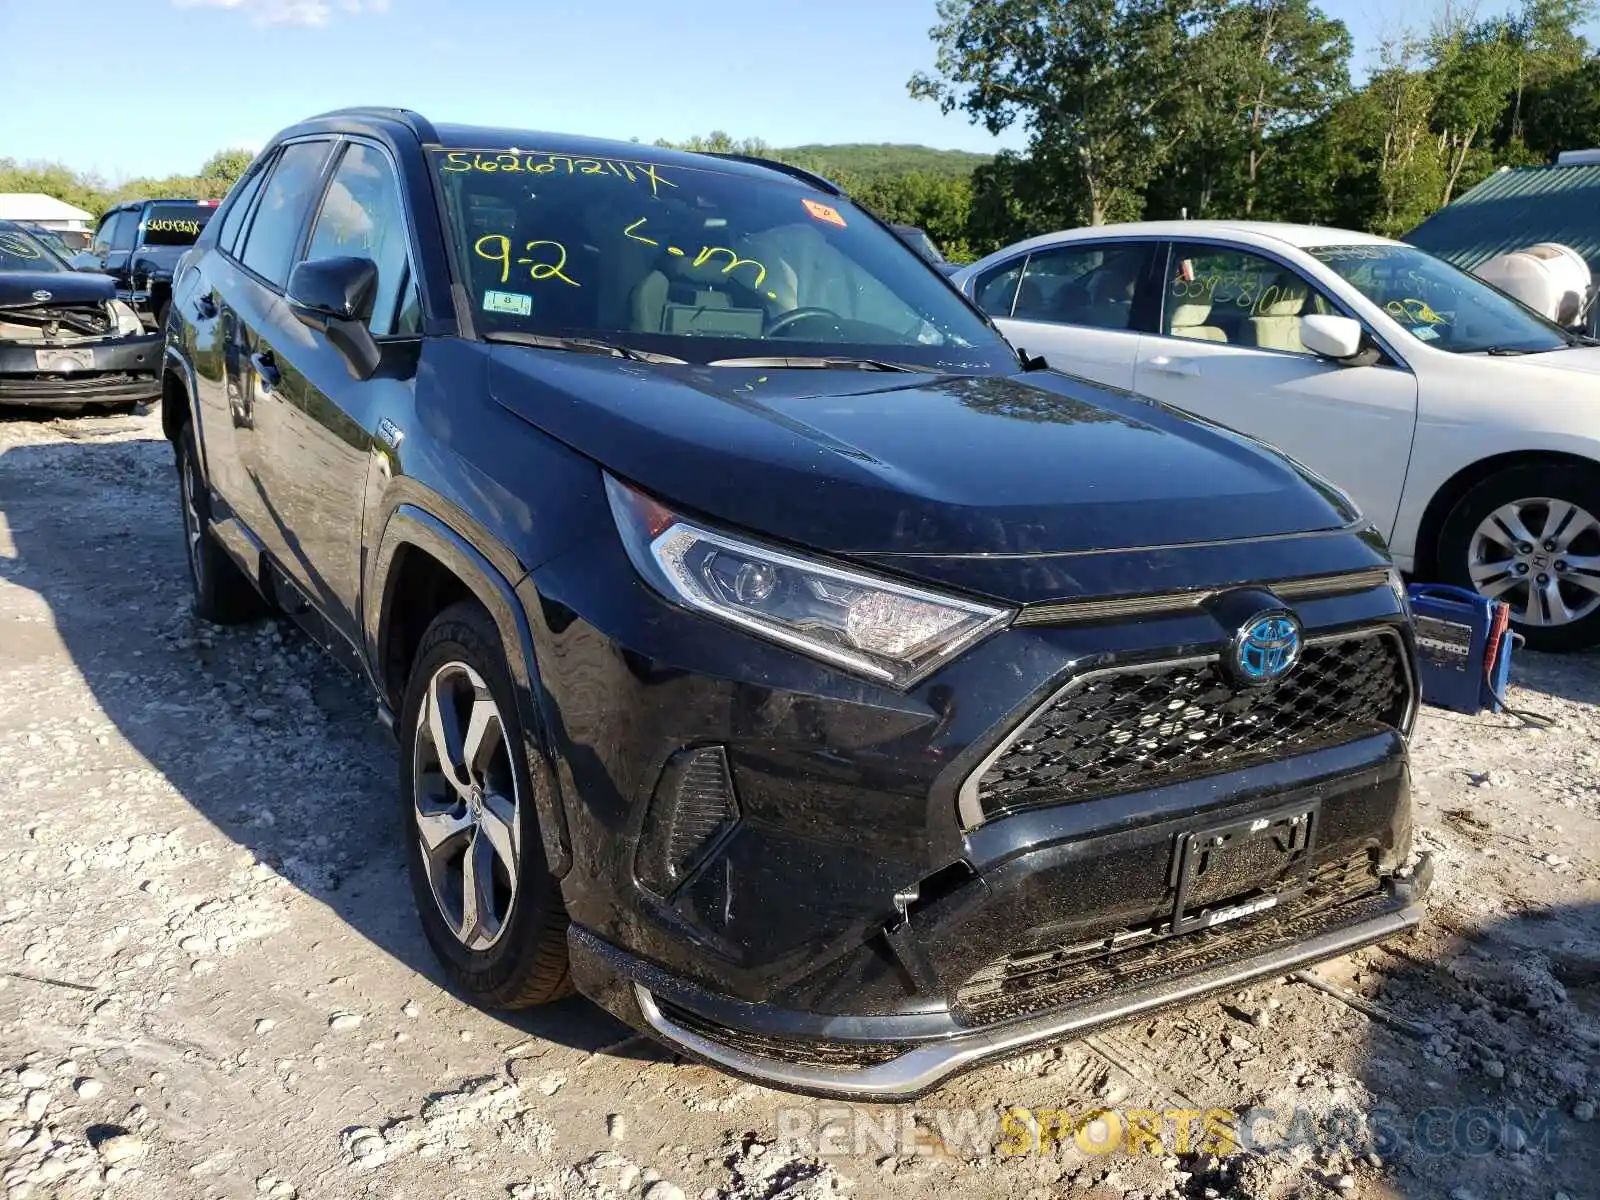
(1243, 867)
(64, 361)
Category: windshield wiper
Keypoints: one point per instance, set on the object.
(580, 345)
(819, 363)
(1506, 351)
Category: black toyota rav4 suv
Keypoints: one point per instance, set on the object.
(776, 657)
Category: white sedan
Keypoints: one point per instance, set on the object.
(1465, 427)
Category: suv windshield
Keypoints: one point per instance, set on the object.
(696, 262)
(1440, 304)
(21, 251)
(175, 224)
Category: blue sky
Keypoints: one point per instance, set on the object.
(185, 77)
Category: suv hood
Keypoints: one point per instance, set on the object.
(17, 288)
(872, 463)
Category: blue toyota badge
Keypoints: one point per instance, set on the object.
(1266, 648)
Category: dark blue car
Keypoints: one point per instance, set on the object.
(775, 656)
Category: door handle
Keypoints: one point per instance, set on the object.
(1185, 367)
(266, 370)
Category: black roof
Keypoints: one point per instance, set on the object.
(501, 139)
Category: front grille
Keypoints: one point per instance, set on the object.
(1339, 893)
(809, 1052)
(1139, 727)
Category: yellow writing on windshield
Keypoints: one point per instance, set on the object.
(15, 246)
(706, 254)
(551, 263)
(172, 225)
(457, 162)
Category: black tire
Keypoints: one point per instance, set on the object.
(223, 594)
(526, 964)
(1577, 485)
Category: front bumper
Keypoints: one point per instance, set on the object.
(845, 909)
(919, 1065)
(125, 370)
(1036, 917)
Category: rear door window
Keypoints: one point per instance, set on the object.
(287, 197)
(1094, 285)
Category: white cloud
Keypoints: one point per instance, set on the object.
(313, 13)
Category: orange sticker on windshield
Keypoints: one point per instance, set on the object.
(823, 212)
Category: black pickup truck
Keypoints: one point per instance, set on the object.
(139, 243)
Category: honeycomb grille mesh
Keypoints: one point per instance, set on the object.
(1147, 726)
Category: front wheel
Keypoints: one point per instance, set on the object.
(1530, 536)
(490, 907)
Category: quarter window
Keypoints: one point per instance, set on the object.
(288, 195)
(1082, 285)
(238, 207)
(1220, 294)
(361, 218)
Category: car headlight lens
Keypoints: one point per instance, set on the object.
(128, 322)
(880, 628)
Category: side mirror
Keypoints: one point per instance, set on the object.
(83, 261)
(1338, 338)
(334, 296)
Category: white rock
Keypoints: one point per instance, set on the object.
(552, 1083)
(32, 1077)
(1583, 1111)
(88, 1088)
(410, 1009)
(122, 1148)
(617, 1125)
(1345, 1183)
(344, 1022)
(266, 1025)
(38, 1101)
(662, 1189)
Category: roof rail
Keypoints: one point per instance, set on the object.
(415, 121)
(820, 182)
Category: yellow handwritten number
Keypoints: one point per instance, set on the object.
(541, 270)
(501, 256)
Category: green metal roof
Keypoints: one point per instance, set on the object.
(1514, 209)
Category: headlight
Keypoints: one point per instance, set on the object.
(128, 322)
(885, 630)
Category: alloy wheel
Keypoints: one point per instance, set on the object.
(1542, 557)
(466, 805)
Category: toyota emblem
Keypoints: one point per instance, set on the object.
(41, 295)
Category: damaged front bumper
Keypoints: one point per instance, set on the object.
(113, 370)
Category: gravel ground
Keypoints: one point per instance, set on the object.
(212, 984)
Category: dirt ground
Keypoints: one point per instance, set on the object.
(212, 983)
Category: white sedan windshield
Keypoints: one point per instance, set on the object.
(1439, 304)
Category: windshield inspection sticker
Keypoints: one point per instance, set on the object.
(823, 212)
(515, 303)
(1426, 333)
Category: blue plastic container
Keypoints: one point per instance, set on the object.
(1464, 647)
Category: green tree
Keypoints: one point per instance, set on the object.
(1093, 82)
